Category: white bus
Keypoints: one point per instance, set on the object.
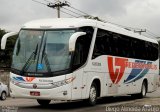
(74, 58)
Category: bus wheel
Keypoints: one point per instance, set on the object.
(43, 102)
(92, 95)
(3, 96)
(143, 90)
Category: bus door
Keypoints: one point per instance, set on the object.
(78, 71)
(79, 63)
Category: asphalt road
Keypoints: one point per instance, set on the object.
(29, 105)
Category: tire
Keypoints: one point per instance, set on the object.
(143, 92)
(92, 95)
(43, 102)
(3, 96)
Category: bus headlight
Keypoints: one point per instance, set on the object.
(63, 82)
(42, 85)
(58, 84)
(69, 80)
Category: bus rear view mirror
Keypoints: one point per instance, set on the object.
(5, 37)
(72, 40)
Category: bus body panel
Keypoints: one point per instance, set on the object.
(77, 84)
(99, 68)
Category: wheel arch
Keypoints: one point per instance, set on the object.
(97, 81)
(145, 80)
(4, 92)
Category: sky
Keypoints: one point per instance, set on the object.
(143, 14)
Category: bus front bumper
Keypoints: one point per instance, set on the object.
(58, 93)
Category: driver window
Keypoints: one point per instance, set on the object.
(82, 47)
(79, 52)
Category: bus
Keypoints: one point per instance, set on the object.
(81, 59)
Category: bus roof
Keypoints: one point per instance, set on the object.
(57, 23)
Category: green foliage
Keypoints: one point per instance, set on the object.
(6, 55)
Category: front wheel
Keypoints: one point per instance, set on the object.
(3, 96)
(92, 95)
(43, 102)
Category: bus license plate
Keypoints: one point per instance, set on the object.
(35, 93)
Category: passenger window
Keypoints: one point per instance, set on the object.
(100, 44)
(110, 43)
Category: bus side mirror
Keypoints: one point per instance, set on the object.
(72, 40)
(5, 37)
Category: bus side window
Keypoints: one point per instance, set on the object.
(107, 43)
(97, 51)
(115, 44)
(155, 51)
(111, 43)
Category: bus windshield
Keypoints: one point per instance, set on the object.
(42, 51)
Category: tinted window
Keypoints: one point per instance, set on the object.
(110, 43)
(82, 47)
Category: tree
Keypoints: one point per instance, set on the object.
(6, 55)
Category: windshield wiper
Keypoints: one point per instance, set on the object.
(44, 55)
(28, 63)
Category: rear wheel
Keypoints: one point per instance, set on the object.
(92, 95)
(143, 92)
(3, 96)
(43, 102)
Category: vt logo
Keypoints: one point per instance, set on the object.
(116, 68)
(29, 79)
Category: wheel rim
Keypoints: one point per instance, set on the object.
(93, 94)
(143, 90)
(3, 96)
